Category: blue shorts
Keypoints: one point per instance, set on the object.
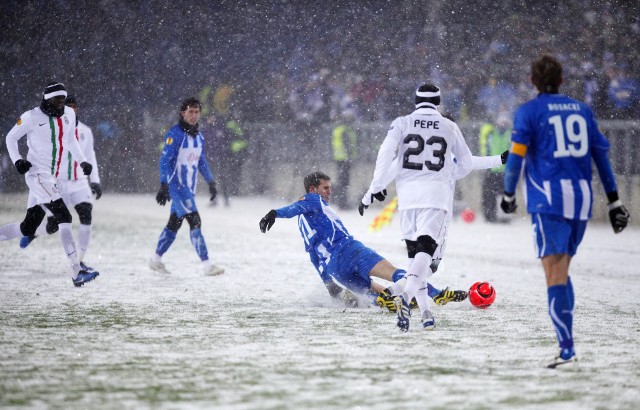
(183, 201)
(350, 266)
(554, 234)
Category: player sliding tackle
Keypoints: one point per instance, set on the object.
(344, 264)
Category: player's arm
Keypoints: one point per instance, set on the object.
(308, 204)
(511, 176)
(72, 143)
(90, 153)
(618, 214)
(462, 153)
(22, 126)
(170, 151)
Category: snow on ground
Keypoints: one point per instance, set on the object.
(265, 335)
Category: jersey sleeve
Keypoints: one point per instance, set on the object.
(521, 132)
(169, 154)
(309, 203)
(90, 153)
(462, 154)
(22, 126)
(387, 153)
(203, 166)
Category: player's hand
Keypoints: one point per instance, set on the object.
(267, 221)
(361, 208)
(96, 189)
(86, 168)
(163, 194)
(504, 156)
(508, 203)
(618, 215)
(22, 165)
(212, 190)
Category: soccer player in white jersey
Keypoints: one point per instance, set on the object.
(425, 144)
(50, 130)
(556, 137)
(76, 188)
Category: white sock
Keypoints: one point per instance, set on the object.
(10, 231)
(84, 237)
(156, 257)
(423, 299)
(69, 246)
(397, 287)
(416, 274)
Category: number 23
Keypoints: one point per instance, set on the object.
(438, 153)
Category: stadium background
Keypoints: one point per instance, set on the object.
(288, 70)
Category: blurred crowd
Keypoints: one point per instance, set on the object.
(308, 63)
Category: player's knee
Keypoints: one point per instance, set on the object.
(32, 220)
(84, 210)
(194, 220)
(426, 244)
(174, 223)
(434, 265)
(60, 211)
(411, 248)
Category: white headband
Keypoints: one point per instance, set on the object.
(55, 94)
(428, 94)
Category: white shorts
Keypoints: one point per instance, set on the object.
(42, 189)
(75, 191)
(418, 222)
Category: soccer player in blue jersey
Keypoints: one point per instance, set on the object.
(557, 137)
(181, 159)
(342, 261)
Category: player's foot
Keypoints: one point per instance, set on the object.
(445, 296)
(563, 358)
(213, 270)
(404, 313)
(158, 266)
(84, 277)
(385, 300)
(428, 322)
(85, 267)
(26, 240)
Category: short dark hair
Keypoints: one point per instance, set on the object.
(190, 102)
(314, 180)
(546, 74)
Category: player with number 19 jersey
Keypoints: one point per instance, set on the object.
(425, 144)
(560, 133)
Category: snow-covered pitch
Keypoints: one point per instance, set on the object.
(265, 335)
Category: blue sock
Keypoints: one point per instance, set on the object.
(561, 317)
(431, 291)
(166, 239)
(570, 293)
(198, 242)
(398, 274)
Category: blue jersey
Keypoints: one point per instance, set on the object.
(322, 231)
(561, 136)
(182, 158)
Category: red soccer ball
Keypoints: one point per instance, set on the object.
(482, 295)
(468, 215)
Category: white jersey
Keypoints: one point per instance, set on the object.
(71, 170)
(425, 144)
(47, 138)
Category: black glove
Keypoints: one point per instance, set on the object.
(267, 222)
(163, 194)
(212, 190)
(380, 196)
(508, 203)
(619, 216)
(22, 165)
(86, 168)
(361, 208)
(504, 156)
(96, 189)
